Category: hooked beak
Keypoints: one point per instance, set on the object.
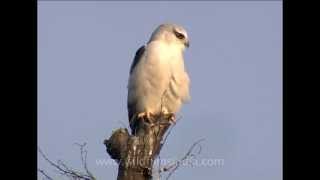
(187, 43)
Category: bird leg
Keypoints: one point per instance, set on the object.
(145, 116)
(171, 117)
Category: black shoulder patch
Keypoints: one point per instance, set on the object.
(137, 58)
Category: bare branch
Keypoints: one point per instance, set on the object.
(83, 154)
(63, 169)
(175, 165)
(45, 174)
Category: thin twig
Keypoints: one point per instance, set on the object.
(66, 171)
(45, 174)
(83, 154)
(174, 166)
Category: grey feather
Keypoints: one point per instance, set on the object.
(137, 58)
(131, 106)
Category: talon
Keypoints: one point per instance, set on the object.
(141, 115)
(148, 116)
(172, 118)
(145, 116)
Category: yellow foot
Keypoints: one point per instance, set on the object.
(144, 115)
(172, 118)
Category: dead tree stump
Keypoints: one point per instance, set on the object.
(136, 152)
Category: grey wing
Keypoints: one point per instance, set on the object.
(137, 58)
(132, 105)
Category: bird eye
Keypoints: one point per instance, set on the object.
(179, 35)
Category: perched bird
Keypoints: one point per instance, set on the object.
(158, 81)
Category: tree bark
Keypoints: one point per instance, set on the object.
(136, 153)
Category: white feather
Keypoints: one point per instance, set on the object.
(159, 81)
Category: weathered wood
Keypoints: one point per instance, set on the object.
(136, 153)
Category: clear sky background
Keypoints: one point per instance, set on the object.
(235, 64)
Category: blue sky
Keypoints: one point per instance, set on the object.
(235, 65)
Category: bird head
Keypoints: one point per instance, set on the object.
(172, 34)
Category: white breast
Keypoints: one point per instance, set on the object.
(160, 80)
